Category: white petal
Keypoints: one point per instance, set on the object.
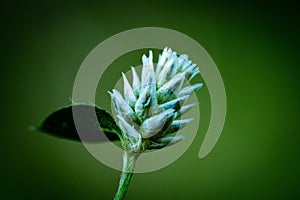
(165, 141)
(116, 108)
(152, 80)
(155, 124)
(128, 92)
(174, 103)
(150, 59)
(183, 122)
(162, 59)
(171, 87)
(145, 71)
(190, 89)
(132, 137)
(181, 60)
(165, 72)
(195, 72)
(170, 140)
(189, 71)
(186, 108)
(127, 128)
(186, 65)
(153, 94)
(122, 108)
(178, 124)
(148, 74)
(142, 102)
(135, 82)
(144, 59)
(191, 68)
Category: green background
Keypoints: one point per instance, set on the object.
(255, 46)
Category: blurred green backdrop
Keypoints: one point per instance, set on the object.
(254, 44)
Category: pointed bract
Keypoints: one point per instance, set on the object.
(185, 65)
(190, 89)
(186, 108)
(121, 107)
(178, 124)
(127, 128)
(170, 88)
(148, 74)
(170, 140)
(161, 61)
(136, 83)
(142, 102)
(195, 72)
(165, 142)
(174, 104)
(129, 133)
(154, 124)
(128, 92)
(165, 73)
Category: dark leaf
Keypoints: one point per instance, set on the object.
(87, 119)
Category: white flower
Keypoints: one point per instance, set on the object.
(153, 103)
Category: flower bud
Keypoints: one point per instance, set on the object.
(129, 132)
(153, 125)
(178, 124)
(148, 74)
(186, 65)
(154, 101)
(190, 89)
(121, 107)
(128, 92)
(127, 128)
(165, 141)
(170, 140)
(174, 104)
(166, 72)
(142, 102)
(181, 60)
(185, 108)
(161, 61)
(195, 72)
(136, 83)
(170, 88)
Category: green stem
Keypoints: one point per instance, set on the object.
(129, 160)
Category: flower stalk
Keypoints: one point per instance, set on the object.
(129, 160)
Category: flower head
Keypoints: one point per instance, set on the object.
(149, 109)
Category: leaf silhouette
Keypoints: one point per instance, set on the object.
(94, 124)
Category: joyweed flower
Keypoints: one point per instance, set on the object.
(148, 113)
(150, 109)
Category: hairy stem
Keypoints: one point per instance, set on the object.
(129, 160)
